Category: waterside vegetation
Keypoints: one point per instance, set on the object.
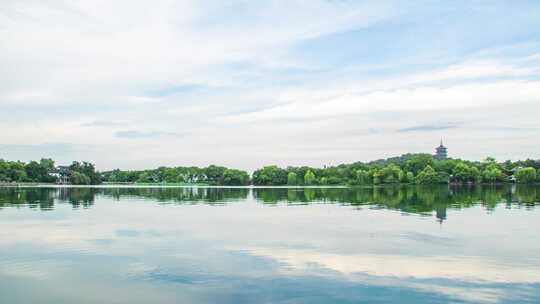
(406, 169)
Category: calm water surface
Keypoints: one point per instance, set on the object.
(272, 245)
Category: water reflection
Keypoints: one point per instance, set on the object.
(415, 200)
(272, 245)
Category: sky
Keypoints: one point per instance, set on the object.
(138, 84)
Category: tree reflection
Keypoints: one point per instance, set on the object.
(426, 200)
(179, 195)
(78, 197)
(423, 200)
(33, 198)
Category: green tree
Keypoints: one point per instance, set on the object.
(291, 179)
(34, 172)
(418, 162)
(4, 175)
(409, 177)
(78, 178)
(362, 177)
(334, 180)
(377, 177)
(463, 173)
(493, 174)
(47, 163)
(427, 176)
(324, 180)
(233, 177)
(476, 175)
(390, 174)
(270, 175)
(17, 172)
(87, 169)
(309, 178)
(526, 175)
(146, 177)
(39, 172)
(214, 174)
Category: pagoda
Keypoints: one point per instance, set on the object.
(441, 152)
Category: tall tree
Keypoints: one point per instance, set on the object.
(526, 175)
(291, 179)
(309, 178)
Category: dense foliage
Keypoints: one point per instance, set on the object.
(406, 169)
(409, 168)
(84, 174)
(45, 171)
(17, 171)
(211, 175)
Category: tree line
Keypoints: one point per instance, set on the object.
(211, 175)
(406, 169)
(45, 171)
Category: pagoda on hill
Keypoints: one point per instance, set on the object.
(441, 152)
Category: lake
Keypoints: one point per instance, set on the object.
(270, 245)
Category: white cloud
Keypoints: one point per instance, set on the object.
(416, 272)
(419, 98)
(230, 74)
(421, 267)
(103, 50)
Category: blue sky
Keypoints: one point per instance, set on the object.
(246, 83)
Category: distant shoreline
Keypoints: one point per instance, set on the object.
(160, 185)
(421, 168)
